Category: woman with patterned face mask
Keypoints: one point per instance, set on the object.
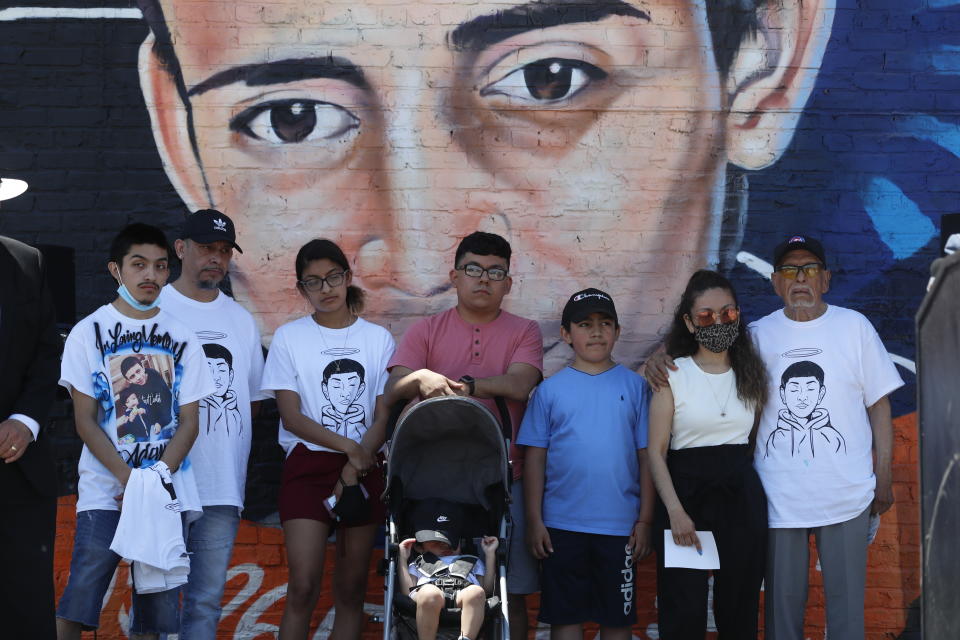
(700, 455)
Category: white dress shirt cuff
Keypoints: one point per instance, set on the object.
(30, 422)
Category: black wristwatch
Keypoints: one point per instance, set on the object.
(471, 383)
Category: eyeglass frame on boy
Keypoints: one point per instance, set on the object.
(489, 272)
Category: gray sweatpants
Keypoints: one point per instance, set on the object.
(842, 549)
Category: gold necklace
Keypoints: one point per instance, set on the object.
(723, 407)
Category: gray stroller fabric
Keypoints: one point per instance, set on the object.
(450, 448)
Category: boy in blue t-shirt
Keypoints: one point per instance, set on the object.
(585, 430)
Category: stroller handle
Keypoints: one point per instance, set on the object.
(506, 423)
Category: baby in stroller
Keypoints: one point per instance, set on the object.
(439, 576)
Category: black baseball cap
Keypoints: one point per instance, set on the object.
(583, 303)
(439, 520)
(209, 225)
(795, 243)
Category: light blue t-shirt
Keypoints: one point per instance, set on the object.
(591, 427)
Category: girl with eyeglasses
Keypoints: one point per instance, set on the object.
(327, 370)
(700, 453)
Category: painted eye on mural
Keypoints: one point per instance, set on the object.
(293, 121)
(545, 81)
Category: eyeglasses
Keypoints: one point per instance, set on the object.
(332, 280)
(476, 271)
(790, 271)
(727, 315)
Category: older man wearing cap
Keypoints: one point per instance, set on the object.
(824, 442)
(231, 342)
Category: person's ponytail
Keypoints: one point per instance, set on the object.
(356, 298)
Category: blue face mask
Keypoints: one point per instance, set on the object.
(127, 297)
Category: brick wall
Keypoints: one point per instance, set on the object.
(253, 602)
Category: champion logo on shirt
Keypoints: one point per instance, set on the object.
(796, 239)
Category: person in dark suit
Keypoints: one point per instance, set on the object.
(30, 365)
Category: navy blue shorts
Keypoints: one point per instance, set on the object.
(589, 577)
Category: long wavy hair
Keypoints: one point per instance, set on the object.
(746, 363)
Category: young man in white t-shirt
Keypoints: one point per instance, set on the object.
(231, 344)
(96, 355)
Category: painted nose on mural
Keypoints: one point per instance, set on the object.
(427, 176)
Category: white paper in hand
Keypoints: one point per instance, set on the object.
(687, 557)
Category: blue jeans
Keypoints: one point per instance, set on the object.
(91, 569)
(210, 543)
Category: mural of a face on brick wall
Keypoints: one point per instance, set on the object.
(595, 136)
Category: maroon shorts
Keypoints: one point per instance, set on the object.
(310, 477)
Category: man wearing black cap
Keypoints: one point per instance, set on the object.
(829, 373)
(231, 342)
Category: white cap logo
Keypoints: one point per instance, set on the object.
(220, 224)
(582, 296)
(443, 519)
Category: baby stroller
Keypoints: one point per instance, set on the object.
(450, 448)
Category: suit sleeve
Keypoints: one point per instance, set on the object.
(39, 380)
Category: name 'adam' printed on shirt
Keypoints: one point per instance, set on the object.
(141, 453)
(118, 338)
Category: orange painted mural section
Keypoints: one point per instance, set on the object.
(253, 602)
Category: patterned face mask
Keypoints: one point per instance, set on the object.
(717, 337)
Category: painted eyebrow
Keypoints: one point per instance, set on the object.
(282, 71)
(483, 31)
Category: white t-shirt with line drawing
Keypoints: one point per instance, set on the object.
(230, 340)
(338, 374)
(814, 444)
(140, 372)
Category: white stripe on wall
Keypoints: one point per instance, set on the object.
(94, 13)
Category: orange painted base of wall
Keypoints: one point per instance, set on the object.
(253, 602)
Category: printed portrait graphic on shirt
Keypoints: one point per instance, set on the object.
(803, 426)
(143, 396)
(343, 383)
(219, 411)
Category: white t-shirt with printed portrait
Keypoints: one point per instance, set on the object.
(230, 340)
(338, 374)
(136, 370)
(814, 443)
